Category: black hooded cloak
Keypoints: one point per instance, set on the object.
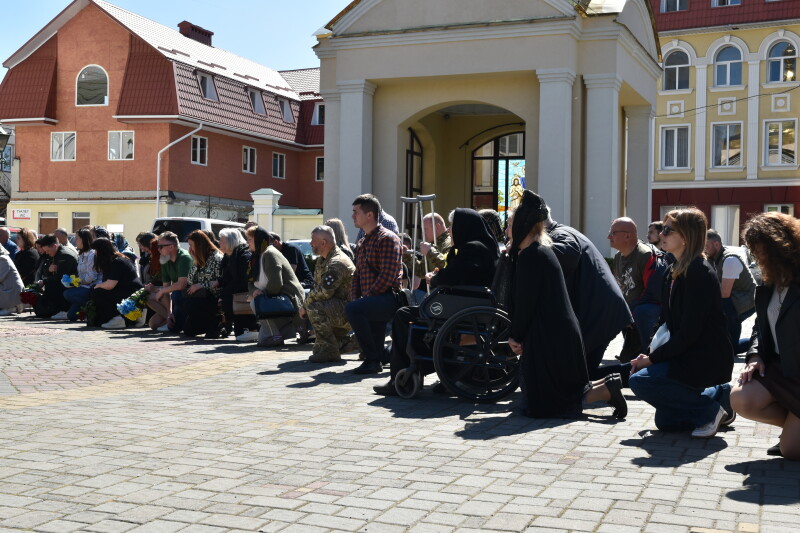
(473, 258)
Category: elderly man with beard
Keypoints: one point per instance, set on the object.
(166, 300)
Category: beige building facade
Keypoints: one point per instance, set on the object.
(471, 100)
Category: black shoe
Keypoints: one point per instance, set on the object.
(439, 388)
(614, 385)
(387, 389)
(775, 451)
(368, 367)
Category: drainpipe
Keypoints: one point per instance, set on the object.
(158, 166)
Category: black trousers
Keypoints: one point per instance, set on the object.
(201, 315)
(105, 304)
(238, 323)
(401, 329)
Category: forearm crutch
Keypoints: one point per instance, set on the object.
(422, 199)
(414, 202)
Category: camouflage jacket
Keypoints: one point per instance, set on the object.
(436, 257)
(332, 277)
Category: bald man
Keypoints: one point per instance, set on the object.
(633, 269)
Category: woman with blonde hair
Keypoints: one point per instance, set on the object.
(341, 236)
(686, 378)
(768, 390)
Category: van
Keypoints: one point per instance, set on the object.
(183, 226)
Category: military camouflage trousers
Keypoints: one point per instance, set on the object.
(330, 324)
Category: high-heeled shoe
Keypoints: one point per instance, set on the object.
(617, 401)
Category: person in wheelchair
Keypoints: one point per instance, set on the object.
(544, 329)
(471, 261)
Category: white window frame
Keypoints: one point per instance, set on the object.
(764, 129)
(121, 142)
(778, 208)
(108, 87)
(664, 209)
(687, 65)
(782, 60)
(63, 135)
(256, 96)
(315, 119)
(316, 169)
(281, 158)
(727, 65)
(286, 110)
(713, 144)
(211, 84)
(246, 159)
(725, 3)
(662, 158)
(677, 6)
(199, 149)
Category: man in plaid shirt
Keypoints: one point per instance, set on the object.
(377, 277)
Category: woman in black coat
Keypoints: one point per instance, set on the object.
(27, 257)
(471, 261)
(686, 378)
(234, 281)
(768, 390)
(544, 329)
(120, 280)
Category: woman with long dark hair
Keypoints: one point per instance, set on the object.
(27, 257)
(686, 378)
(768, 389)
(119, 282)
(544, 330)
(78, 296)
(203, 289)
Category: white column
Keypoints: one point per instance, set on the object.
(700, 123)
(330, 194)
(753, 128)
(603, 193)
(639, 167)
(555, 140)
(355, 145)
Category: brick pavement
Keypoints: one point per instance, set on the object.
(134, 431)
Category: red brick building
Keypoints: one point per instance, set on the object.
(99, 91)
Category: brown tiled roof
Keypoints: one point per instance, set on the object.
(305, 130)
(149, 86)
(28, 91)
(701, 14)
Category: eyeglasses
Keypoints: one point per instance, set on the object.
(160, 246)
(667, 230)
(612, 233)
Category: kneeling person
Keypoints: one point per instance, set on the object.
(324, 304)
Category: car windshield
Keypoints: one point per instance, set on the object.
(181, 228)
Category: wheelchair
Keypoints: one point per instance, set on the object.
(466, 334)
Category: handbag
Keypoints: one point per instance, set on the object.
(660, 338)
(241, 305)
(273, 306)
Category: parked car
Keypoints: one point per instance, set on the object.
(183, 226)
(308, 253)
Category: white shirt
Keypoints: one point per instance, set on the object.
(731, 268)
(774, 310)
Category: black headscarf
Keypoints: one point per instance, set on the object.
(262, 240)
(468, 225)
(530, 212)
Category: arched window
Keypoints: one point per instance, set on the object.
(728, 67)
(676, 71)
(782, 62)
(92, 87)
(498, 174)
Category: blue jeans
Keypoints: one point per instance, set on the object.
(368, 317)
(679, 407)
(645, 317)
(177, 311)
(77, 298)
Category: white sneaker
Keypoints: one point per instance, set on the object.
(6, 312)
(707, 431)
(247, 336)
(163, 328)
(140, 321)
(60, 316)
(115, 323)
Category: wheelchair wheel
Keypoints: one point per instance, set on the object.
(407, 384)
(472, 357)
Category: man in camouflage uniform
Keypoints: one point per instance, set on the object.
(324, 304)
(433, 227)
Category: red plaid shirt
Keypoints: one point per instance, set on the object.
(379, 266)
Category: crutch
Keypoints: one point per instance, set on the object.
(422, 199)
(414, 202)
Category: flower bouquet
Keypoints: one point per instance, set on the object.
(30, 294)
(70, 281)
(133, 306)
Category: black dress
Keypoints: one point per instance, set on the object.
(552, 366)
(123, 271)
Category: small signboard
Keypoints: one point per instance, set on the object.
(21, 214)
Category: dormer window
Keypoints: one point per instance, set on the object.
(257, 101)
(91, 87)
(319, 115)
(286, 110)
(207, 88)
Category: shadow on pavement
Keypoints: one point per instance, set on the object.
(669, 450)
(768, 482)
(327, 376)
